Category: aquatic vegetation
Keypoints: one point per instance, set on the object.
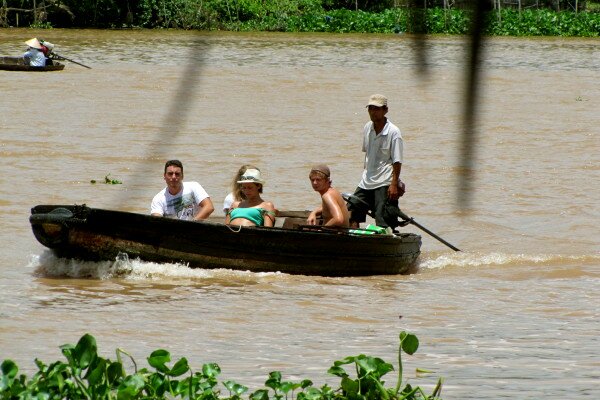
(564, 18)
(108, 181)
(86, 375)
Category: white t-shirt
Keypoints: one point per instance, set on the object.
(229, 199)
(183, 205)
(382, 151)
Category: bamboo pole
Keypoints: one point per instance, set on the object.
(499, 11)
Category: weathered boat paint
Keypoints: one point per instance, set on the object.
(86, 233)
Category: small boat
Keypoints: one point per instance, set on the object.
(18, 64)
(85, 233)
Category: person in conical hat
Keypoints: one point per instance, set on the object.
(34, 55)
(34, 43)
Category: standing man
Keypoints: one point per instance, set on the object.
(182, 200)
(333, 208)
(380, 186)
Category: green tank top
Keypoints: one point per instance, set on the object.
(255, 215)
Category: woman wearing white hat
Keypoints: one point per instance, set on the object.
(253, 210)
(34, 55)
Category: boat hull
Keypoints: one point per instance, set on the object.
(95, 234)
(18, 64)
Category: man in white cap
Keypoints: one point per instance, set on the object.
(380, 186)
(34, 55)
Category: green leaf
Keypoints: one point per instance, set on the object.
(337, 371)
(211, 370)
(158, 358)
(260, 394)
(306, 383)
(85, 352)
(367, 365)
(285, 387)
(350, 386)
(9, 369)
(130, 387)
(311, 393)
(374, 364)
(235, 388)
(180, 368)
(347, 360)
(410, 343)
(274, 381)
(67, 350)
(114, 372)
(96, 374)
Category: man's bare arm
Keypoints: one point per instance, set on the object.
(206, 209)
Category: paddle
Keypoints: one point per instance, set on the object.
(406, 218)
(59, 57)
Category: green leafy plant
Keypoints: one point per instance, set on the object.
(108, 181)
(86, 375)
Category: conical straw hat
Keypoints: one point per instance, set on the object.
(34, 43)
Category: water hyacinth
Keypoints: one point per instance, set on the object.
(86, 375)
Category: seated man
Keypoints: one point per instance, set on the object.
(182, 200)
(333, 208)
(34, 55)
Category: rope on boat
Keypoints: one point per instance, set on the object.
(233, 230)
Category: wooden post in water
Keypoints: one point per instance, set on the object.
(4, 14)
(499, 11)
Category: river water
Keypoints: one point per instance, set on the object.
(514, 315)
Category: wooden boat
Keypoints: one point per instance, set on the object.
(81, 232)
(18, 64)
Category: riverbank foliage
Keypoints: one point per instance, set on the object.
(86, 375)
(339, 16)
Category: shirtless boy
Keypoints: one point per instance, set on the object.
(333, 208)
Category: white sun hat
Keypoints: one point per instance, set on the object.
(251, 176)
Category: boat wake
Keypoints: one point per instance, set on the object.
(463, 259)
(48, 265)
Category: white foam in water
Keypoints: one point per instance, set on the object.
(47, 264)
(462, 259)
